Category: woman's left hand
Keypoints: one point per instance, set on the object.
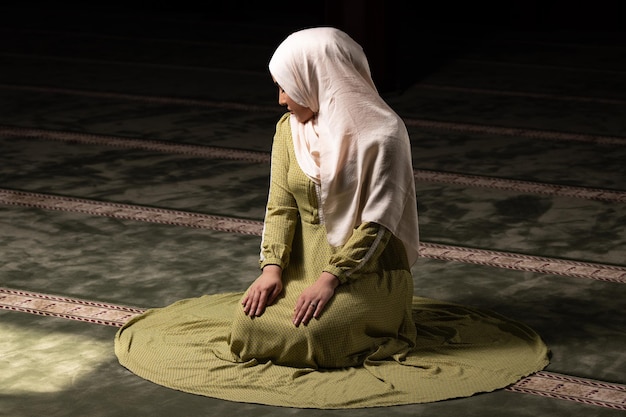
(313, 299)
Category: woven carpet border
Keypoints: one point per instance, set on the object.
(213, 152)
(515, 261)
(536, 134)
(546, 384)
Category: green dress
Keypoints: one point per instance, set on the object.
(375, 343)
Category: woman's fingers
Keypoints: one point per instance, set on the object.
(273, 295)
(262, 292)
(261, 303)
(247, 303)
(306, 310)
(313, 299)
(254, 303)
(251, 302)
(302, 309)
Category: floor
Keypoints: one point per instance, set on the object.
(134, 170)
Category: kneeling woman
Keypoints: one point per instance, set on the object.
(334, 305)
(341, 220)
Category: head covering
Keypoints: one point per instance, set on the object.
(356, 147)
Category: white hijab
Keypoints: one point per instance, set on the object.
(357, 148)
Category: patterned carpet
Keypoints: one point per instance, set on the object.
(134, 168)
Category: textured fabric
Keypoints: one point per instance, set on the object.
(307, 147)
(365, 165)
(372, 308)
(374, 345)
(460, 351)
(292, 203)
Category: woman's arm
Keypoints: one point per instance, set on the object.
(367, 242)
(281, 213)
(278, 229)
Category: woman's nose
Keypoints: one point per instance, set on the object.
(281, 98)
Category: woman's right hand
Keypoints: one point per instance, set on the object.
(263, 291)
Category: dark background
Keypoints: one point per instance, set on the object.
(385, 28)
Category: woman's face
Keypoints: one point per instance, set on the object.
(302, 114)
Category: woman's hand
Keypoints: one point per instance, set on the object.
(263, 291)
(313, 299)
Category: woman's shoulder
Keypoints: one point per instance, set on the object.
(283, 129)
(283, 122)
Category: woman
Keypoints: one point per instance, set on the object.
(341, 223)
(331, 322)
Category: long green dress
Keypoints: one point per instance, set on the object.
(375, 343)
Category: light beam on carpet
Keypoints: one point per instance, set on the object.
(35, 360)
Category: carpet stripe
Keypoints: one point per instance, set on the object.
(143, 98)
(130, 212)
(146, 144)
(138, 64)
(511, 93)
(581, 390)
(521, 262)
(519, 186)
(515, 261)
(66, 307)
(516, 131)
(421, 123)
(543, 383)
(263, 157)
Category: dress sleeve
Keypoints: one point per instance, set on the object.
(281, 211)
(367, 242)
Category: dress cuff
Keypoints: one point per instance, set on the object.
(338, 272)
(271, 261)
